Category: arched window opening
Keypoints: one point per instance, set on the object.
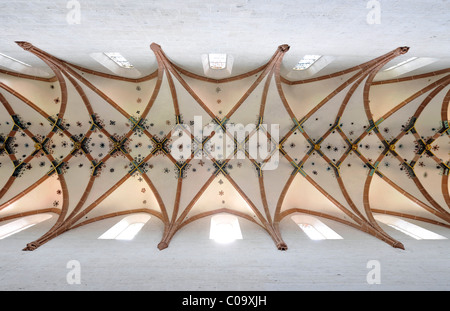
(127, 228)
(408, 228)
(225, 229)
(116, 63)
(404, 65)
(119, 59)
(306, 62)
(217, 60)
(20, 66)
(21, 224)
(217, 65)
(314, 228)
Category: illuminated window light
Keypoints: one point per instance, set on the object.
(225, 229)
(306, 62)
(16, 231)
(127, 228)
(217, 60)
(119, 60)
(408, 228)
(16, 60)
(314, 228)
(130, 232)
(311, 232)
(411, 234)
(401, 64)
(21, 224)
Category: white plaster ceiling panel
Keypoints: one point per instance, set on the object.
(428, 123)
(303, 195)
(48, 195)
(221, 195)
(274, 112)
(426, 171)
(386, 96)
(45, 95)
(385, 198)
(274, 184)
(30, 174)
(134, 188)
(130, 96)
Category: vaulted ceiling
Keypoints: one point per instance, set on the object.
(87, 146)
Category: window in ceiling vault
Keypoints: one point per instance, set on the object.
(225, 229)
(404, 66)
(401, 63)
(127, 228)
(116, 63)
(217, 65)
(119, 59)
(14, 60)
(408, 228)
(314, 228)
(19, 66)
(306, 62)
(217, 60)
(22, 224)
